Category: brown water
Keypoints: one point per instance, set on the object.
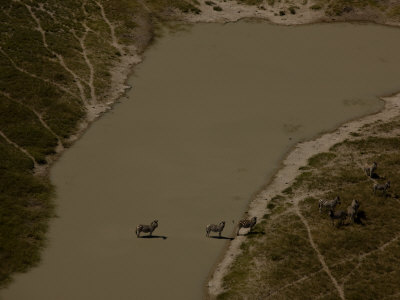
(211, 114)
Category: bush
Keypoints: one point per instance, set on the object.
(292, 9)
(315, 7)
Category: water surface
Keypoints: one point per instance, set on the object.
(211, 114)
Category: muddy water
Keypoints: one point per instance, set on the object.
(211, 113)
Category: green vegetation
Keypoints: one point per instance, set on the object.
(321, 159)
(362, 257)
(251, 2)
(56, 61)
(270, 263)
(316, 7)
(380, 11)
(339, 7)
(360, 8)
(394, 12)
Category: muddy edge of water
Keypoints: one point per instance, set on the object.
(217, 124)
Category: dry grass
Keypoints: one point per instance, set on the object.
(363, 257)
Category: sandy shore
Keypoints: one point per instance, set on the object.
(232, 11)
(119, 75)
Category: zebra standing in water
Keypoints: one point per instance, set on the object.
(371, 169)
(245, 223)
(146, 228)
(381, 187)
(331, 204)
(215, 228)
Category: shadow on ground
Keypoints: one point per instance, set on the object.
(154, 237)
(221, 237)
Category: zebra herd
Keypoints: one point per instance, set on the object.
(352, 210)
(330, 205)
(341, 215)
(370, 171)
(245, 223)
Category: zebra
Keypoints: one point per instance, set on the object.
(340, 214)
(245, 223)
(381, 187)
(352, 210)
(331, 204)
(371, 169)
(146, 228)
(355, 204)
(215, 228)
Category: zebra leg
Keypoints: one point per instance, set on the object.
(251, 228)
(220, 234)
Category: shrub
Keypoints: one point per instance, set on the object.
(315, 7)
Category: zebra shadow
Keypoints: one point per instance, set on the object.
(360, 217)
(221, 237)
(376, 176)
(154, 237)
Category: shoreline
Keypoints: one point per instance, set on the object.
(119, 87)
